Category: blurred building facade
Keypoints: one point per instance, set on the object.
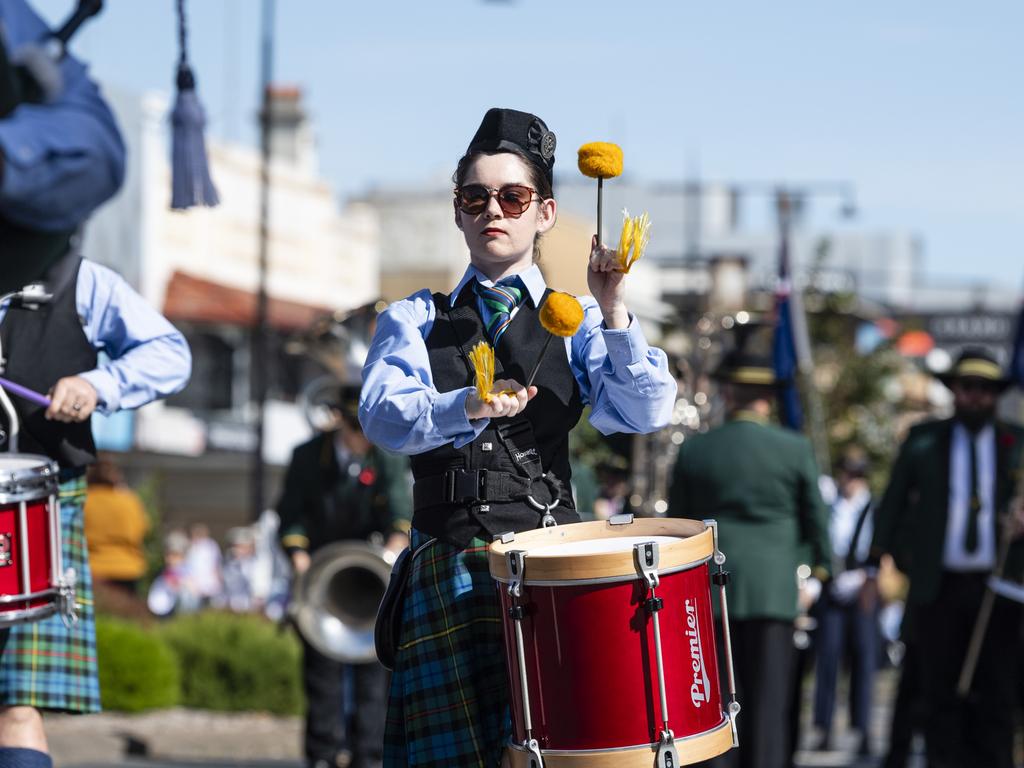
(200, 268)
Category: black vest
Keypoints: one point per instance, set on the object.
(41, 346)
(516, 452)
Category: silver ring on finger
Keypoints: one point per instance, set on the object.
(77, 406)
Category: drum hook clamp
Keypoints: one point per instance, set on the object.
(646, 558)
(547, 520)
(516, 565)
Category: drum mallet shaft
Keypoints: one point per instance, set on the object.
(25, 392)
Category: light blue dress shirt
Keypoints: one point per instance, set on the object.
(60, 160)
(146, 356)
(626, 382)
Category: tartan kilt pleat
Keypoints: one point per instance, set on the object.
(46, 664)
(448, 702)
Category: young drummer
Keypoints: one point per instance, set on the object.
(484, 467)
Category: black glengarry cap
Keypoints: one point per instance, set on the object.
(510, 129)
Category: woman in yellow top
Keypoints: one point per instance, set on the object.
(115, 526)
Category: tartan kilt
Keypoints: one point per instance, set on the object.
(46, 664)
(448, 703)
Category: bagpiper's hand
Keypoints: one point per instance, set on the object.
(508, 397)
(72, 399)
(607, 284)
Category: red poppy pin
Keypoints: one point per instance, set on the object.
(367, 476)
(1007, 440)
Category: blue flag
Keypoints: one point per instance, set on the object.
(784, 353)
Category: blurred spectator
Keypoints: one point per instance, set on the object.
(174, 591)
(271, 582)
(239, 572)
(841, 614)
(613, 498)
(115, 526)
(203, 560)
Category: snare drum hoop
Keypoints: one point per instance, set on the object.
(694, 546)
(30, 482)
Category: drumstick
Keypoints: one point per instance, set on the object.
(24, 392)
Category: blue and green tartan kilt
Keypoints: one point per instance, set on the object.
(448, 702)
(45, 663)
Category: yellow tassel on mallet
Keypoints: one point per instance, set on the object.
(600, 160)
(636, 233)
(482, 358)
(561, 314)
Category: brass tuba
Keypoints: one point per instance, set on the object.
(334, 605)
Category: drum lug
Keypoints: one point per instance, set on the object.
(719, 556)
(626, 518)
(646, 556)
(533, 747)
(516, 566)
(734, 709)
(66, 598)
(667, 756)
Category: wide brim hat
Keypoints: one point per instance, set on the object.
(975, 364)
(747, 369)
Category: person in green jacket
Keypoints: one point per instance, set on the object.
(760, 483)
(340, 487)
(952, 483)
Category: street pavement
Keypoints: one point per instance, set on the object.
(182, 738)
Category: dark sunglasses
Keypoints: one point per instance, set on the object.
(513, 199)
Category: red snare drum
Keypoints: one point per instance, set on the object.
(610, 644)
(32, 580)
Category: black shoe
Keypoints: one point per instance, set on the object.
(823, 743)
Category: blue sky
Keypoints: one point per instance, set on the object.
(917, 104)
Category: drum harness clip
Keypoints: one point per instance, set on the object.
(516, 566)
(720, 579)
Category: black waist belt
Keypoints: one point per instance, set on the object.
(465, 486)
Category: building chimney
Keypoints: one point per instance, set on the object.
(291, 136)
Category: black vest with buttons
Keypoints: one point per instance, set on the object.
(41, 346)
(526, 456)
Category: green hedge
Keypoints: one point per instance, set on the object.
(138, 670)
(236, 662)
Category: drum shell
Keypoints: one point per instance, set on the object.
(30, 564)
(591, 662)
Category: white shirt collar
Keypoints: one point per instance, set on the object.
(532, 278)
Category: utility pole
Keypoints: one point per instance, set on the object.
(258, 361)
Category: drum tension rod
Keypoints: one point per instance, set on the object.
(646, 558)
(516, 565)
(721, 580)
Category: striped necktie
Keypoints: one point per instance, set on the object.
(497, 303)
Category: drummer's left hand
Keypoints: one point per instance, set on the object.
(73, 399)
(607, 285)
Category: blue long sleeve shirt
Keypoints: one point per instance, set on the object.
(60, 160)
(146, 356)
(626, 382)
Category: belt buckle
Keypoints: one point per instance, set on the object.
(465, 484)
(449, 485)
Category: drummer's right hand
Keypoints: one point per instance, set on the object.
(508, 397)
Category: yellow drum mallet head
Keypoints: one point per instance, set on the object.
(561, 314)
(600, 160)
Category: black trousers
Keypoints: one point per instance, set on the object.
(976, 731)
(909, 712)
(329, 728)
(837, 624)
(764, 658)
